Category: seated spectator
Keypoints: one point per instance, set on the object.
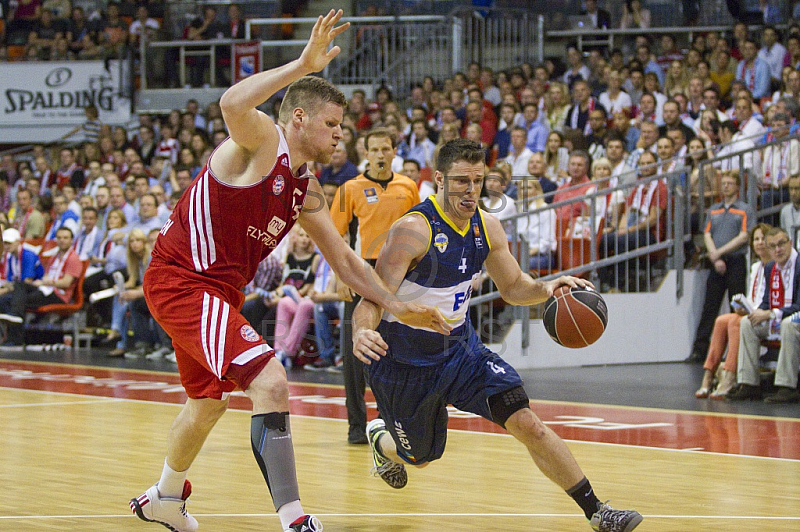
(143, 25)
(584, 103)
(520, 153)
(295, 308)
(5, 193)
(88, 239)
(412, 169)
(772, 320)
(772, 53)
(726, 326)
(752, 71)
(647, 143)
(328, 306)
(148, 214)
(45, 33)
(576, 69)
(536, 169)
(259, 307)
(596, 141)
(113, 34)
(539, 228)
(421, 148)
(780, 162)
(21, 264)
(109, 257)
(640, 222)
(634, 16)
(608, 208)
(670, 53)
(57, 286)
(697, 154)
(790, 213)
(137, 260)
(22, 20)
(665, 149)
(340, 168)
(496, 202)
(577, 185)
(27, 219)
(502, 140)
(556, 158)
(64, 217)
(557, 106)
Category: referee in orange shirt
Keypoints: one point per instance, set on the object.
(366, 207)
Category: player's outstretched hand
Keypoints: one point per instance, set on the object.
(568, 280)
(316, 55)
(423, 316)
(368, 345)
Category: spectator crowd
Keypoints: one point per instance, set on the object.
(558, 131)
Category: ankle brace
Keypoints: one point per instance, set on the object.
(271, 439)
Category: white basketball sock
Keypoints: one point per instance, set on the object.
(289, 512)
(171, 482)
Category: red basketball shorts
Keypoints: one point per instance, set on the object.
(216, 348)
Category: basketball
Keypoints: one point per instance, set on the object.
(575, 317)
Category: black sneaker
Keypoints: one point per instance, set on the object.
(607, 519)
(391, 472)
(744, 392)
(784, 395)
(306, 523)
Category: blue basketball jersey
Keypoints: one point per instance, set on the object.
(443, 278)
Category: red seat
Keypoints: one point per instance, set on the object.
(69, 309)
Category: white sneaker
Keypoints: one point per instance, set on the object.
(158, 353)
(170, 357)
(150, 506)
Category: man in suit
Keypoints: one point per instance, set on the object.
(601, 19)
(773, 317)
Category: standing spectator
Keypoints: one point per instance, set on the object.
(143, 25)
(375, 199)
(56, 287)
(753, 71)
(725, 236)
(203, 28)
(601, 19)
(772, 53)
(773, 317)
(45, 33)
(113, 33)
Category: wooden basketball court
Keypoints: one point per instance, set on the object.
(78, 442)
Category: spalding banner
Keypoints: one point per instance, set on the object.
(55, 93)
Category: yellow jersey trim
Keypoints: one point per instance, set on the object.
(449, 222)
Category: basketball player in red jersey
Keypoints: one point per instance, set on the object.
(251, 192)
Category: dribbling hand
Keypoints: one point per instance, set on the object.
(316, 55)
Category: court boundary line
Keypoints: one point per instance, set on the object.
(341, 387)
(415, 514)
(694, 450)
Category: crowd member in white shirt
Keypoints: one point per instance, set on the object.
(790, 213)
(519, 154)
(614, 99)
(792, 86)
(749, 126)
(615, 153)
(772, 52)
(780, 162)
(88, 237)
(496, 202)
(412, 169)
(538, 228)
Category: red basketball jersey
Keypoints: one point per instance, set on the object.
(222, 231)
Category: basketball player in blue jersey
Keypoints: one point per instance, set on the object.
(434, 255)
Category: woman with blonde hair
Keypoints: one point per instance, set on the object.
(556, 105)
(677, 79)
(609, 207)
(138, 258)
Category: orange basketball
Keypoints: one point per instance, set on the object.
(575, 317)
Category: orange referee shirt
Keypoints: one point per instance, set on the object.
(373, 207)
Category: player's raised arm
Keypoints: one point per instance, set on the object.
(354, 271)
(246, 125)
(515, 286)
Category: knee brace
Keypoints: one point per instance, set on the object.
(504, 404)
(271, 439)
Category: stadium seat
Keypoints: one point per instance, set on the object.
(70, 310)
